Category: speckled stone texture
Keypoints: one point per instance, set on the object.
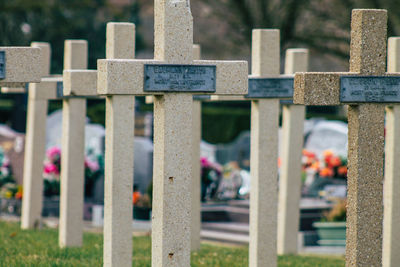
(35, 143)
(78, 58)
(264, 154)
(196, 168)
(290, 170)
(21, 65)
(172, 180)
(391, 227)
(80, 83)
(120, 117)
(366, 144)
(73, 148)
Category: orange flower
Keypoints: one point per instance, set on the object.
(328, 153)
(334, 162)
(315, 165)
(342, 170)
(326, 172)
(136, 197)
(18, 195)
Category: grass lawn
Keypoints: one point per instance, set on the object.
(40, 248)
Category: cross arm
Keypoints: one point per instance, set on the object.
(317, 88)
(80, 83)
(46, 89)
(118, 76)
(19, 64)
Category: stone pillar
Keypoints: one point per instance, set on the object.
(73, 153)
(196, 178)
(119, 142)
(172, 179)
(391, 226)
(290, 171)
(264, 154)
(35, 146)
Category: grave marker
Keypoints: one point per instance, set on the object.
(391, 231)
(78, 83)
(290, 170)
(366, 135)
(172, 124)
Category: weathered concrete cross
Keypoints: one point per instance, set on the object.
(78, 84)
(362, 90)
(174, 86)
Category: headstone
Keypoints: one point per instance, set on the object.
(35, 148)
(119, 147)
(78, 83)
(290, 171)
(264, 153)
(173, 109)
(391, 231)
(366, 132)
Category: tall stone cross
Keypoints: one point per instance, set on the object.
(391, 227)
(173, 76)
(363, 89)
(78, 84)
(296, 60)
(51, 87)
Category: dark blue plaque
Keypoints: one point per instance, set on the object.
(281, 87)
(369, 89)
(60, 88)
(201, 97)
(2, 64)
(179, 78)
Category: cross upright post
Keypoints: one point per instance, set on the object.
(173, 77)
(35, 146)
(78, 84)
(290, 171)
(119, 141)
(391, 230)
(363, 89)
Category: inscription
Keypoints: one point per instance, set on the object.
(271, 87)
(369, 89)
(2, 64)
(60, 89)
(179, 78)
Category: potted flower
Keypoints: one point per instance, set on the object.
(331, 229)
(141, 205)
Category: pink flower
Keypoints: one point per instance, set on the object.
(204, 162)
(53, 153)
(50, 168)
(92, 165)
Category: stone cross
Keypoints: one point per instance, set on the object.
(78, 84)
(119, 141)
(391, 230)
(39, 95)
(173, 76)
(363, 89)
(291, 153)
(196, 169)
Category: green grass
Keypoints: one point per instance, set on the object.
(39, 248)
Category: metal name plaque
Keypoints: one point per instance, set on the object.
(60, 88)
(370, 89)
(270, 88)
(2, 64)
(179, 78)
